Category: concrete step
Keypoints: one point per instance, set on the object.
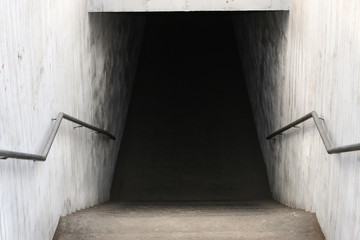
(189, 220)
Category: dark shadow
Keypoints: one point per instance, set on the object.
(189, 134)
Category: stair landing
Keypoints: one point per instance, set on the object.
(190, 220)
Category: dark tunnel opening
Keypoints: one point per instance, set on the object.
(189, 134)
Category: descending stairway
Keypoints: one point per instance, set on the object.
(196, 220)
(189, 132)
(190, 165)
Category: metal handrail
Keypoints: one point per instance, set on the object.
(329, 148)
(4, 154)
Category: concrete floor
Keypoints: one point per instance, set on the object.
(200, 221)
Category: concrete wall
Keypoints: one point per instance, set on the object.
(308, 59)
(186, 5)
(54, 56)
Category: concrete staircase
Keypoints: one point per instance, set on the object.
(190, 165)
(189, 220)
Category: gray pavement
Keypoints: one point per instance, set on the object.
(189, 220)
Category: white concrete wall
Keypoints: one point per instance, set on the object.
(186, 5)
(308, 59)
(54, 57)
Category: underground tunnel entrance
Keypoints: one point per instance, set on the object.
(189, 134)
(189, 165)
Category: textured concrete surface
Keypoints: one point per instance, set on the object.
(308, 59)
(189, 134)
(186, 5)
(54, 56)
(201, 221)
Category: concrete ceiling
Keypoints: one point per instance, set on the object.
(186, 5)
